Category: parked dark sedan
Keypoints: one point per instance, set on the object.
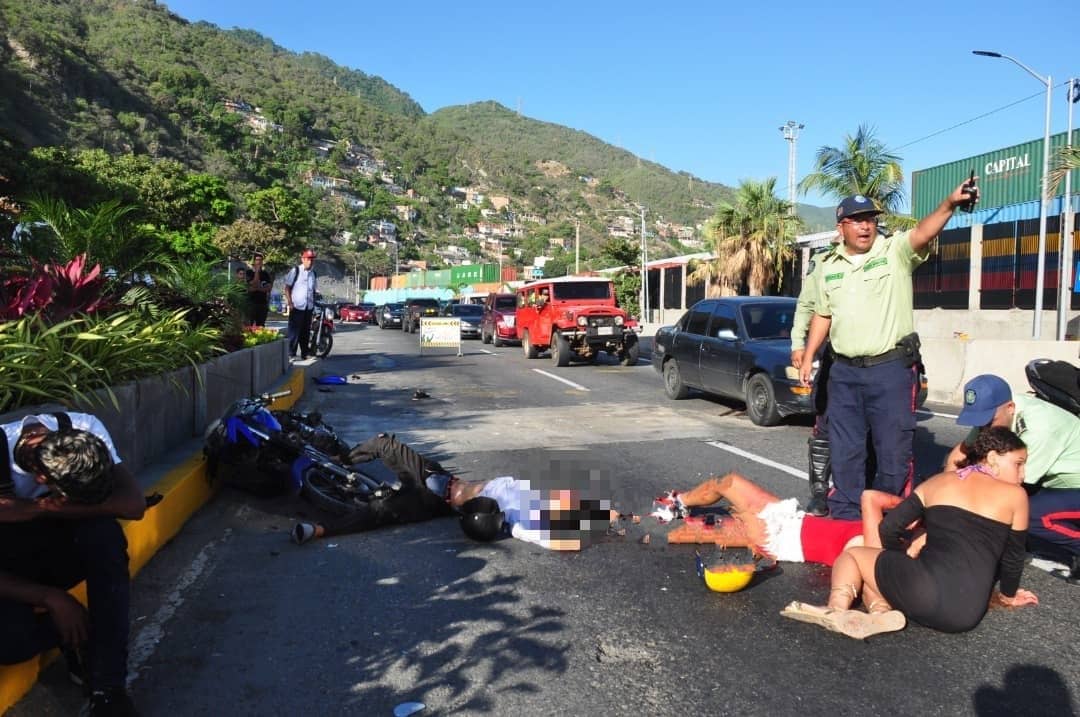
(470, 315)
(736, 347)
(389, 315)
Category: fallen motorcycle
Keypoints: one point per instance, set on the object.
(270, 453)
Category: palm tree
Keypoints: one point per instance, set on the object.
(754, 237)
(1066, 159)
(862, 165)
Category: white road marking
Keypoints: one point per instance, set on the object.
(485, 351)
(759, 459)
(144, 644)
(935, 413)
(568, 382)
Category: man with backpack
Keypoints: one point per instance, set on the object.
(300, 286)
(1052, 472)
(62, 487)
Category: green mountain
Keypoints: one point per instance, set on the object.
(129, 76)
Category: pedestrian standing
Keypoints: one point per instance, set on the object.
(864, 306)
(258, 282)
(300, 287)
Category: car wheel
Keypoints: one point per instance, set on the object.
(761, 401)
(560, 350)
(527, 347)
(631, 351)
(674, 387)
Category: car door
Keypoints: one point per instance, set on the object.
(686, 342)
(720, 352)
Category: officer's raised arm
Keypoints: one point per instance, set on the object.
(932, 224)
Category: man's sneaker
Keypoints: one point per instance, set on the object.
(109, 703)
(668, 507)
(75, 666)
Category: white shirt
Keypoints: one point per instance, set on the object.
(303, 289)
(26, 485)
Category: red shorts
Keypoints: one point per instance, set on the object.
(823, 539)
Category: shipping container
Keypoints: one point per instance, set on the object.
(438, 277)
(399, 281)
(466, 274)
(380, 283)
(1008, 176)
(509, 273)
(489, 273)
(415, 279)
(942, 281)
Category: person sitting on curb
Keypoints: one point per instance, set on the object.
(539, 511)
(1052, 473)
(976, 521)
(61, 490)
(768, 525)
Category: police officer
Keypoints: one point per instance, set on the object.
(864, 306)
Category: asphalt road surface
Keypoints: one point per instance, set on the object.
(231, 618)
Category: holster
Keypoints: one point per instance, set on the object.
(911, 346)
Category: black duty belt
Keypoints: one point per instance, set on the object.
(867, 361)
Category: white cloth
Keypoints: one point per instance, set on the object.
(25, 484)
(783, 530)
(521, 507)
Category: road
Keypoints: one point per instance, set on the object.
(230, 618)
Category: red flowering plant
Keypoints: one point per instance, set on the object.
(54, 290)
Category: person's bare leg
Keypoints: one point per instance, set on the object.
(744, 495)
(874, 504)
(728, 532)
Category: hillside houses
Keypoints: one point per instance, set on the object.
(336, 187)
(253, 116)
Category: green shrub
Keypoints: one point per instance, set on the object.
(70, 360)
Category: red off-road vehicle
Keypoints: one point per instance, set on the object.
(576, 318)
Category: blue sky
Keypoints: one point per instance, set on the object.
(704, 88)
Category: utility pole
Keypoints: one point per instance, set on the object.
(577, 246)
(791, 134)
(1065, 258)
(644, 268)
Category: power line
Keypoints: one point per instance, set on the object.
(975, 119)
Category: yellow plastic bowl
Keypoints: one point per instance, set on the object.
(728, 580)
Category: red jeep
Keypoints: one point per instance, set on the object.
(574, 317)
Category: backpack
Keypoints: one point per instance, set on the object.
(294, 272)
(7, 483)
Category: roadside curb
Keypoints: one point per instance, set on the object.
(185, 488)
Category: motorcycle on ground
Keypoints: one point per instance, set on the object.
(272, 453)
(1057, 382)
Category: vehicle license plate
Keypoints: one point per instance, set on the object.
(605, 330)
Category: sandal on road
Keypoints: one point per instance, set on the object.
(853, 623)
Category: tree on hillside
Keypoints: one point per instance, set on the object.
(280, 208)
(753, 238)
(244, 237)
(620, 251)
(861, 165)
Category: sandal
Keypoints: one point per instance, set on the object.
(853, 623)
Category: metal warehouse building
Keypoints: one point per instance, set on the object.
(989, 259)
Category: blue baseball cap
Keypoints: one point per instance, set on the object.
(982, 397)
(856, 204)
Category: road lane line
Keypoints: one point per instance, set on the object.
(487, 352)
(935, 413)
(759, 459)
(578, 386)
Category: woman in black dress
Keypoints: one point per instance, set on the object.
(975, 521)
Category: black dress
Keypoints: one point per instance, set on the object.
(948, 586)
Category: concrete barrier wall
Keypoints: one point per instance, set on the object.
(950, 363)
(156, 414)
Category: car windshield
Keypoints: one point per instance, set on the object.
(582, 290)
(505, 302)
(467, 310)
(768, 321)
(366, 306)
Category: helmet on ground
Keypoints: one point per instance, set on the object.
(78, 464)
(725, 572)
(481, 519)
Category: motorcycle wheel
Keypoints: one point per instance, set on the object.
(326, 492)
(326, 342)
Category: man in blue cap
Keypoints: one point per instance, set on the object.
(1052, 473)
(863, 303)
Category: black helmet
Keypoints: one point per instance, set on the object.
(481, 519)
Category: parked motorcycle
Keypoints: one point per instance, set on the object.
(322, 330)
(270, 453)
(1055, 381)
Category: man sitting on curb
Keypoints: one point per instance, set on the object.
(1052, 472)
(767, 525)
(554, 516)
(61, 490)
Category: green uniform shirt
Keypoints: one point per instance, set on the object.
(804, 308)
(1052, 436)
(871, 305)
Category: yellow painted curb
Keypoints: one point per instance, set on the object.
(185, 488)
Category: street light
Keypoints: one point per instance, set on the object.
(1036, 330)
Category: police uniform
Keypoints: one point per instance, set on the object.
(872, 383)
(820, 470)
